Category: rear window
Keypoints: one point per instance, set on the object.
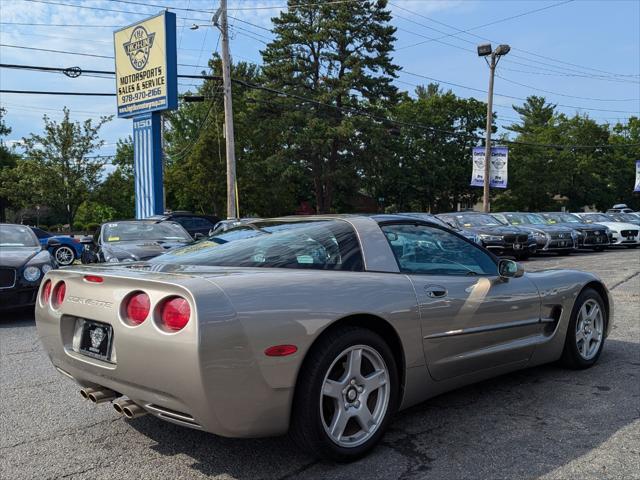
(316, 244)
(17, 236)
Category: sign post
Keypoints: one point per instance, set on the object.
(147, 84)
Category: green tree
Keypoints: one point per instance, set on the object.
(338, 55)
(65, 173)
(8, 159)
(117, 190)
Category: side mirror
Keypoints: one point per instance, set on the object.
(53, 242)
(510, 269)
(198, 236)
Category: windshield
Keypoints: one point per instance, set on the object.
(128, 231)
(17, 236)
(623, 217)
(477, 220)
(522, 218)
(316, 244)
(561, 218)
(595, 217)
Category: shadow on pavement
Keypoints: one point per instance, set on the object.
(523, 424)
(17, 317)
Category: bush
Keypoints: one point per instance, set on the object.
(90, 228)
(43, 227)
(78, 227)
(57, 228)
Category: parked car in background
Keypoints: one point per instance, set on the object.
(549, 238)
(133, 240)
(194, 223)
(323, 326)
(432, 218)
(499, 238)
(224, 225)
(589, 235)
(23, 263)
(621, 233)
(620, 208)
(68, 248)
(624, 217)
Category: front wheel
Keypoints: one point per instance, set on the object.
(346, 393)
(585, 333)
(64, 255)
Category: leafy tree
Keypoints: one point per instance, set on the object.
(338, 55)
(8, 160)
(117, 190)
(65, 174)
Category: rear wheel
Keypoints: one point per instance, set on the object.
(585, 333)
(64, 255)
(346, 393)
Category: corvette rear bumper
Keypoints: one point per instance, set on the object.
(206, 376)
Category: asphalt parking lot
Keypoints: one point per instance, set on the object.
(544, 422)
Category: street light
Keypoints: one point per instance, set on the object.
(484, 50)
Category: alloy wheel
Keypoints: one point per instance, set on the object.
(589, 329)
(355, 396)
(64, 256)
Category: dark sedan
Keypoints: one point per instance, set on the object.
(194, 223)
(589, 235)
(23, 263)
(500, 239)
(549, 238)
(133, 240)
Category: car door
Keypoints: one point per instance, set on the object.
(472, 319)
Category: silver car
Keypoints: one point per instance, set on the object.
(322, 326)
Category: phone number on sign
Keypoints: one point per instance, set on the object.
(137, 96)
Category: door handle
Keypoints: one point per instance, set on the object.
(435, 291)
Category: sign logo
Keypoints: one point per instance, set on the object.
(139, 46)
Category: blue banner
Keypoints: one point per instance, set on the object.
(147, 164)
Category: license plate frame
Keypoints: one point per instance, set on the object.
(96, 345)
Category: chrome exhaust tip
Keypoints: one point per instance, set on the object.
(118, 405)
(85, 392)
(133, 411)
(102, 395)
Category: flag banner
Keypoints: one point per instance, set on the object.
(637, 187)
(497, 168)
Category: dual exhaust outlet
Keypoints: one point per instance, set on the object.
(127, 408)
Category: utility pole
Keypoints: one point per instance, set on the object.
(484, 50)
(232, 200)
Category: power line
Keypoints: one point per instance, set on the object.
(569, 96)
(459, 31)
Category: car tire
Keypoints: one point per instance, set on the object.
(598, 249)
(581, 350)
(64, 255)
(563, 253)
(333, 399)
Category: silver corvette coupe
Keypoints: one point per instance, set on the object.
(321, 326)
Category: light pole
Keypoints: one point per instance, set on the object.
(484, 50)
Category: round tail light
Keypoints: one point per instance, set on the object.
(59, 293)
(137, 308)
(46, 292)
(175, 313)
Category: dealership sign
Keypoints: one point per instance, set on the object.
(637, 187)
(147, 84)
(497, 167)
(146, 67)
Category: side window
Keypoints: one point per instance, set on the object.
(420, 249)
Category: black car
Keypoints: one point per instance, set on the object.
(589, 235)
(23, 263)
(500, 239)
(133, 240)
(549, 238)
(192, 222)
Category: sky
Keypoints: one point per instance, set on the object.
(583, 55)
